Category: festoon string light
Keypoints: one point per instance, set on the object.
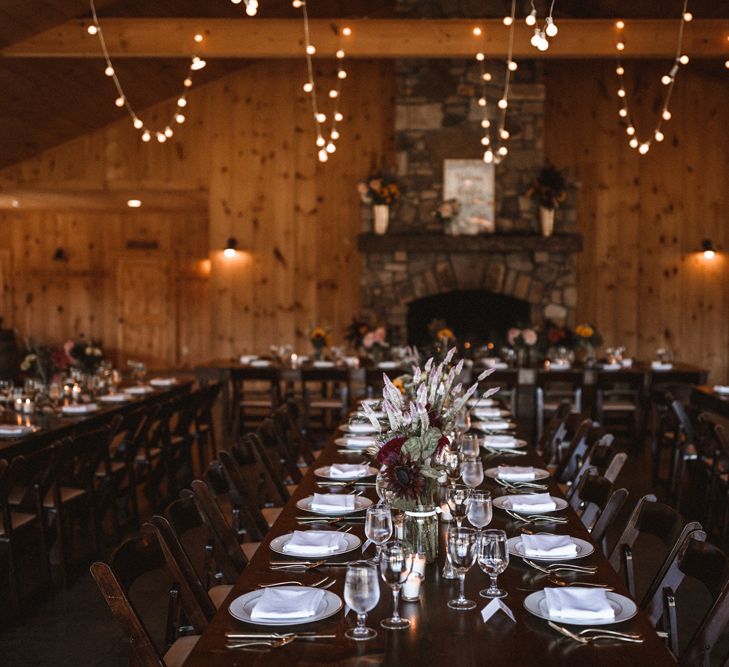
(495, 149)
(251, 6)
(549, 29)
(668, 80)
(325, 141)
(122, 101)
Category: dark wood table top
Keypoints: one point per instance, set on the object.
(53, 426)
(437, 635)
(705, 398)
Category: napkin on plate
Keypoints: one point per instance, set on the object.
(115, 398)
(14, 430)
(261, 363)
(323, 364)
(660, 366)
(532, 502)
(516, 473)
(312, 542)
(332, 501)
(80, 409)
(348, 470)
(612, 367)
(486, 412)
(163, 382)
(721, 388)
(493, 425)
(360, 441)
(505, 441)
(282, 603)
(481, 402)
(139, 390)
(361, 427)
(579, 604)
(551, 546)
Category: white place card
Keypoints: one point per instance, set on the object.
(492, 607)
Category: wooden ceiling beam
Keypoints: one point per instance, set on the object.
(371, 38)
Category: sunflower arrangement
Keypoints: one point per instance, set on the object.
(319, 339)
(587, 334)
(549, 187)
(379, 190)
(86, 355)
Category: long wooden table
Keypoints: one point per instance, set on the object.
(705, 398)
(437, 635)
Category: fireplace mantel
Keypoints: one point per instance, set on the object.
(482, 243)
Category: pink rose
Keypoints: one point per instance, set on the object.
(529, 336)
(512, 334)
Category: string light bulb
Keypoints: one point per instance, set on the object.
(92, 30)
(658, 136)
(138, 124)
(644, 148)
(531, 18)
(508, 21)
(109, 71)
(551, 28)
(477, 31)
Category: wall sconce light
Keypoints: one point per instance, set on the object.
(231, 247)
(134, 203)
(60, 255)
(708, 248)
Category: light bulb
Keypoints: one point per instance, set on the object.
(666, 114)
(644, 148)
(504, 134)
(308, 87)
(665, 79)
(161, 137)
(311, 49)
(477, 31)
(338, 117)
(536, 38)
(482, 101)
(619, 24)
(551, 28)
(623, 112)
(180, 118)
(659, 136)
(620, 46)
(503, 103)
(138, 124)
(688, 16)
(485, 123)
(182, 102)
(197, 64)
(543, 43)
(323, 155)
(340, 54)
(134, 203)
(508, 20)
(512, 66)
(347, 31)
(342, 74)
(709, 254)
(146, 136)
(334, 134)
(109, 71)
(119, 101)
(251, 9)
(320, 141)
(198, 38)
(480, 57)
(168, 132)
(503, 150)
(684, 59)
(330, 147)
(633, 143)
(485, 141)
(92, 30)
(531, 18)
(630, 130)
(321, 117)
(620, 70)
(621, 92)
(236, 2)
(188, 82)
(229, 253)
(726, 64)
(333, 93)
(488, 156)
(297, 3)
(486, 76)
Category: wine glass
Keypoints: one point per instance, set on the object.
(462, 543)
(480, 511)
(6, 390)
(463, 421)
(452, 465)
(493, 559)
(395, 566)
(470, 446)
(472, 473)
(383, 492)
(378, 527)
(457, 499)
(361, 593)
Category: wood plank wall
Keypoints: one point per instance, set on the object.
(640, 277)
(249, 143)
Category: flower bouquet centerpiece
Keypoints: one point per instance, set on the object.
(550, 190)
(375, 345)
(524, 341)
(420, 423)
(587, 338)
(319, 339)
(557, 342)
(380, 192)
(44, 363)
(447, 212)
(85, 355)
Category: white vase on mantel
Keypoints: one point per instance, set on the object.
(382, 218)
(546, 220)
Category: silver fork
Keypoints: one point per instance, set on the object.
(592, 638)
(520, 485)
(559, 567)
(322, 583)
(535, 518)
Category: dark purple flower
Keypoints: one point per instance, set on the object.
(404, 477)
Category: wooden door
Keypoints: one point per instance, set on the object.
(146, 312)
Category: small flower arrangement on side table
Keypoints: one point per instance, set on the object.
(380, 192)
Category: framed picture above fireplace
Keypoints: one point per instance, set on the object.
(472, 183)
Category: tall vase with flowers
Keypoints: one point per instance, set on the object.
(524, 342)
(587, 340)
(420, 419)
(549, 190)
(382, 193)
(319, 339)
(375, 345)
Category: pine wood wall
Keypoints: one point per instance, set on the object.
(640, 276)
(249, 144)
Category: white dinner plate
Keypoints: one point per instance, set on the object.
(503, 414)
(624, 608)
(482, 402)
(83, 409)
(493, 473)
(359, 429)
(488, 426)
(323, 364)
(242, 607)
(260, 363)
(388, 365)
(502, 503)
(277, 544)
(325, 473)
(138, 391)
(360, 503)
(342, 442)
(163, 382)
(517, 444)
(16, 431)
(584, 548)
(115, 398)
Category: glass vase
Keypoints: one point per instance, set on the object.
(421, 531)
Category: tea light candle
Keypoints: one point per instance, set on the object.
(411, 589)
(76, 393)
(18, 405)
(28, 407)
(294, 360)
(418, 565)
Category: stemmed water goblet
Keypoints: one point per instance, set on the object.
(470, 445)
(384, 494)
(6, 390)
(462, 421)
(452, 464)
(378, 527)
(361, 593)
(472, 473)
(395, 565)
(457, 499)
(480, 511)
(493, 559)
(462, 543)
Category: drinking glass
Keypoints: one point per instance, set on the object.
(470, 446)
(462, 421)
(480, 512)
(493, 559)
(378, 527)
(457, 499)
(361, 593)
(472, 473)
(395, 566)
(462, 543)
(383, 492)
(6, 390)
(452, 464)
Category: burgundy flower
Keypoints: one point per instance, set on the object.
(390, 449)
(442, 442)
(435, 420)
(404, 477)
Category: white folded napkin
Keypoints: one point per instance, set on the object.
(312, 542)
(516, 473)
(486, 412)
(532, 502)
(139, 390)
(388, 365)
(612, 367)
(332, 501)
(481, 402)
(279, 603)
(359, 441)
(493, 362)
(660, 366)
(323, 364)
(14, 429)
(626, 362)
(262, 363)
(348, 470)
(500, 441)
(351, 362)
(247, 358)
(493, 425)
(163, 382)
(80, 409)
(583, 604)
(552, 546)
(361, 427)
(115, 398)
(721, 388)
